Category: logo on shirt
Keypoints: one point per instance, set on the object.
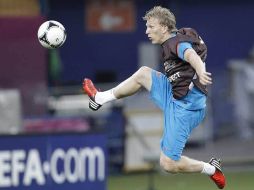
(168, 66)
(173, 77)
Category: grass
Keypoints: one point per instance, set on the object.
(235, 181)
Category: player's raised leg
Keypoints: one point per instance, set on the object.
(141, 78)
(91, 91)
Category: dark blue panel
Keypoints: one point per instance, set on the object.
(53, 162)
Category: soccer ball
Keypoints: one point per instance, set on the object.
(52, 34)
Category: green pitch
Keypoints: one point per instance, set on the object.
(235, 181)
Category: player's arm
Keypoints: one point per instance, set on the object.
(193, 58)
(188, 54)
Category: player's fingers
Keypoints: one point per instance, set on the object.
(208, 78)
(206, 81)
(207, 73)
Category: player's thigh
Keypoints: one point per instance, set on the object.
(161, 90)
(178, 128)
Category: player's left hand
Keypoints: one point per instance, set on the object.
(205, 78)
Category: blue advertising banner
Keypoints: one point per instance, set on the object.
(53, 162)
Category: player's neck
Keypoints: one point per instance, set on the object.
(166, 37)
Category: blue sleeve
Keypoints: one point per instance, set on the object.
(181, 47)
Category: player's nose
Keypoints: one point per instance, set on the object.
(147, 31)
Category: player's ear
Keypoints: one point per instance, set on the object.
(164, 29)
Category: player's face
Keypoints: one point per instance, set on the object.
(155, 31)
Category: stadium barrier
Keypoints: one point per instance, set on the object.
(59, 161)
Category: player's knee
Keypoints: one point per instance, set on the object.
(142, 74)
(169, 165)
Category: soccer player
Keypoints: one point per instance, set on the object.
(180, 92)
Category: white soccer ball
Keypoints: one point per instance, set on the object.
(52, 34)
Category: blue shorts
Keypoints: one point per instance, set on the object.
(178, 122)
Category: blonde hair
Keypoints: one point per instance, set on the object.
(164, 16)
